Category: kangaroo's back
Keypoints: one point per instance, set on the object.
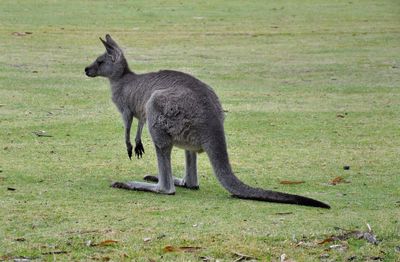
(182, 85)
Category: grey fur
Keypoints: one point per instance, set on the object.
(181, 111)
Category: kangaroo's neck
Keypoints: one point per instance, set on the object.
(123, 71)
(120, 81)
(129, 93)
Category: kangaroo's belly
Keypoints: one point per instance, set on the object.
(189, 147)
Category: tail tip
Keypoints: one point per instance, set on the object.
(325, 206)
(316, 203)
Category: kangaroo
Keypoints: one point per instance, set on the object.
(180, 111)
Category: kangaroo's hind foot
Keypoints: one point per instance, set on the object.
(177, 182)
(140, 186)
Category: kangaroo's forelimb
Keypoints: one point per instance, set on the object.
(139, 149)
(127, 116)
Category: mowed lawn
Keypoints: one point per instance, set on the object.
(308, 87)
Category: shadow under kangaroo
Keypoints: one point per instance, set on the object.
(181, 111)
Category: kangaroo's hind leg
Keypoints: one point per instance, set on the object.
(190, 179)
(165, 184)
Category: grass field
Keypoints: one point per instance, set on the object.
(309, 87)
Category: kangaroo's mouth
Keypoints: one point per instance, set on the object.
(89, 72)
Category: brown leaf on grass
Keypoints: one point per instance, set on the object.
(168, 249)
(326, 240)
(288, 182)
(104, 243)
(366, 235)
(337, 180)
(187, 249)
(108, 242)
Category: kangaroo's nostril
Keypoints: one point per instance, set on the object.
(86, 69)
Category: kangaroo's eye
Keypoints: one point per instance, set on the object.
(99, 62)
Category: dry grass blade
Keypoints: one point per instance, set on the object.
(107, 242)
(326, 240)
(186, 249)
(189, 249)
(288, 182)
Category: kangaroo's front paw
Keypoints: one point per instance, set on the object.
(129, 150)
(139, 150)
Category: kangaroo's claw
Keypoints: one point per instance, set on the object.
(129, 150)
(139, 150)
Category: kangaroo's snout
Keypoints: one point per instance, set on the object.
(87, 72)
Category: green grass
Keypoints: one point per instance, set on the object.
(284, 71)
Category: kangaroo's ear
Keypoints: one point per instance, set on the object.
(111, 42)
(108, 47)
(112, 50)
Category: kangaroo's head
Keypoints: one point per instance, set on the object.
(111, 64)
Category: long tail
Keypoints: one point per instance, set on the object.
(218, 156)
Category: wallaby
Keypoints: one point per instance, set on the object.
(181, 111)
